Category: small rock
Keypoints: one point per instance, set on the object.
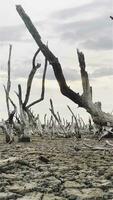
(9, 195)
(33, 196)
(73, 184)
(52, 197)
(84, 194)
(104, 184)
(53, 184)
(71, 194)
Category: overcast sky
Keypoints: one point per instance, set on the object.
(66, 25)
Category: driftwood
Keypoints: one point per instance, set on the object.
(39, 129)
(77, 127)
(96, 148)
(9, 195)
(55, 116)
(84, 100)
(7, 162)
(109, 143)
(8, 131)
(106, 132)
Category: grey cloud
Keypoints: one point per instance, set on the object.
(22, 71)
(11, 33)
(19, 68)
(16, 32)
(102, 43)
(85, 28)
(94, 5)
(106, 71)
(3, 74)
(69, 73)
(88, 33)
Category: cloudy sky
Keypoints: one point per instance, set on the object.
(66, 25)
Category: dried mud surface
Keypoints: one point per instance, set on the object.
(55, 169)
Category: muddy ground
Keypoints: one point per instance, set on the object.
(57, 169)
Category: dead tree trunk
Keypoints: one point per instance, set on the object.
(8, 81)
(7, 125)
(85, 100)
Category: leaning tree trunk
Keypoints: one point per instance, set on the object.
(84, 100)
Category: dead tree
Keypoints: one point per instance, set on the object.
(25, 120)
(7, 125)
(8, 81)
(85, 100)
(26, 117)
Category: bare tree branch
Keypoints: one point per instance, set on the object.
(87, 91)
(30, 79)
(34, 59)
(43, 87)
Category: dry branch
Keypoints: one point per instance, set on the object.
(106, 133)
(9, 161)
(34, 59)
(43, 87)
(87, 93)
(109, 143)
(30, 79)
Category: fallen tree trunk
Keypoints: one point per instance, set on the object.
(85, 100)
